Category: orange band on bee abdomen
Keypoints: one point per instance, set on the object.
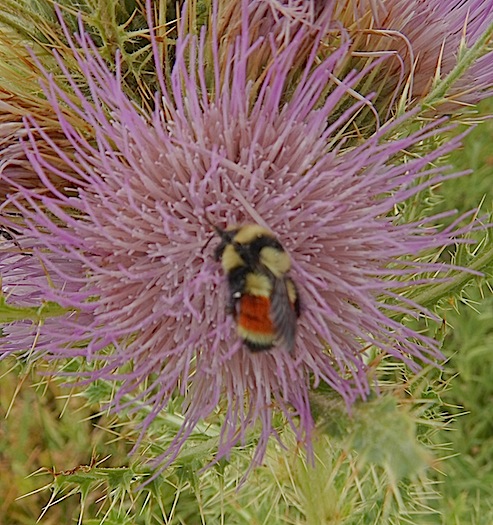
(254, 314)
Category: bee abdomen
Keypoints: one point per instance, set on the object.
(254, 322)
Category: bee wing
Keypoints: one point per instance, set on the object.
(283, 314)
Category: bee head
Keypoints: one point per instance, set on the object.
(226, 237)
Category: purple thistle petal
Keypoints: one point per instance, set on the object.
(124, 251)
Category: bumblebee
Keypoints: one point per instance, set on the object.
(263, 299)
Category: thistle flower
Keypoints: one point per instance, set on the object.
(408, 62)
(24, 24)
(124, 253)
(416, 59)
(20, 96)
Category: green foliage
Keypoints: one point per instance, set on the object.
(372, 468)
(10, 313)
(467, 488)
(385, 437)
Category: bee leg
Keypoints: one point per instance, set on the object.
(237, 282)
(232, 305)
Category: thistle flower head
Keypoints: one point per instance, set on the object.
(122, 250)
(20, 96)
(408, 61)
(422, 43)
(38, 27)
